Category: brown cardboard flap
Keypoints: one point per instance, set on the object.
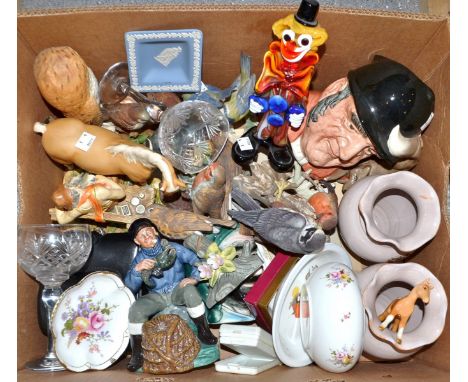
(353, 37)
(363, 372)
(37, 178)
(433, 167)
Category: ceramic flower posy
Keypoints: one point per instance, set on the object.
(218, 262)
(338, 278)
(87, 321)
(342, 357)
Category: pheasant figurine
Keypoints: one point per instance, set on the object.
(208, 190)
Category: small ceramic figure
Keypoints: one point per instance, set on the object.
(237, 105)
(283, 86)
(381, 284)
(359, 116)
(267, 186)
(325, 205)
(208, 190)
(179, 224)
(127, 108)
(173, 287)
(85, 193)
(234, 100)
(68, 84)
(262, 181)
(400, 310)
(288, 230)
(100, 151)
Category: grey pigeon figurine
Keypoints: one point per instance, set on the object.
(289, 230)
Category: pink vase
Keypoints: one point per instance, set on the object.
(380, 284)
(384, 218)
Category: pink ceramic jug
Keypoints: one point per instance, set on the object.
(384, 218)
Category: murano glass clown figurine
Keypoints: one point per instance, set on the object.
(282, 89)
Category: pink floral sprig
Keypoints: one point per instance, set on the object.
(218, 262)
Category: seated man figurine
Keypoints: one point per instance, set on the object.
(380, 109)
(170, 288)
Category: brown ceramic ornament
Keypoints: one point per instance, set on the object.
(100, 151)
(68, 84)
(168, 99)
(169, 345)
(179, 224)
(208, 191)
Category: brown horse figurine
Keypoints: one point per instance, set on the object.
(400, 310)
(102, 152)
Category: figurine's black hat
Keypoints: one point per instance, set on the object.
(307, 13)
(387, 95)
(138, 225)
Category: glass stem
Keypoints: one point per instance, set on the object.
(141, 98)
(50, 296)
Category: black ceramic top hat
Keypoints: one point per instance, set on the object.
(307, 13)
(138, 225)
(387, 94)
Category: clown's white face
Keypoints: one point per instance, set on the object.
(294, 49)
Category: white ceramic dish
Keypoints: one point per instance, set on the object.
(286, 324)
(90, 322)
(332, 317)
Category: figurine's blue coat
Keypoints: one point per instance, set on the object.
(171, 277)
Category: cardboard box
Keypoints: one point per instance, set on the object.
(420, 42)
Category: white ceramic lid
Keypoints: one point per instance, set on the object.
(286, 323)
(332, 317)
(90, 322)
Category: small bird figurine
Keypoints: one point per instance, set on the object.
(237, 93)
(238, 105)
(210, 94)
(287, 229)
(208, 190)
(179, 224)
(325, 205)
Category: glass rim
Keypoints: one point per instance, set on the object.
(64, 226)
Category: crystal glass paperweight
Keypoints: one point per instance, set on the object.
(51, 253)
(192, 134)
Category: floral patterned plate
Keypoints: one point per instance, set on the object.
(286, 312)
(90, 320)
